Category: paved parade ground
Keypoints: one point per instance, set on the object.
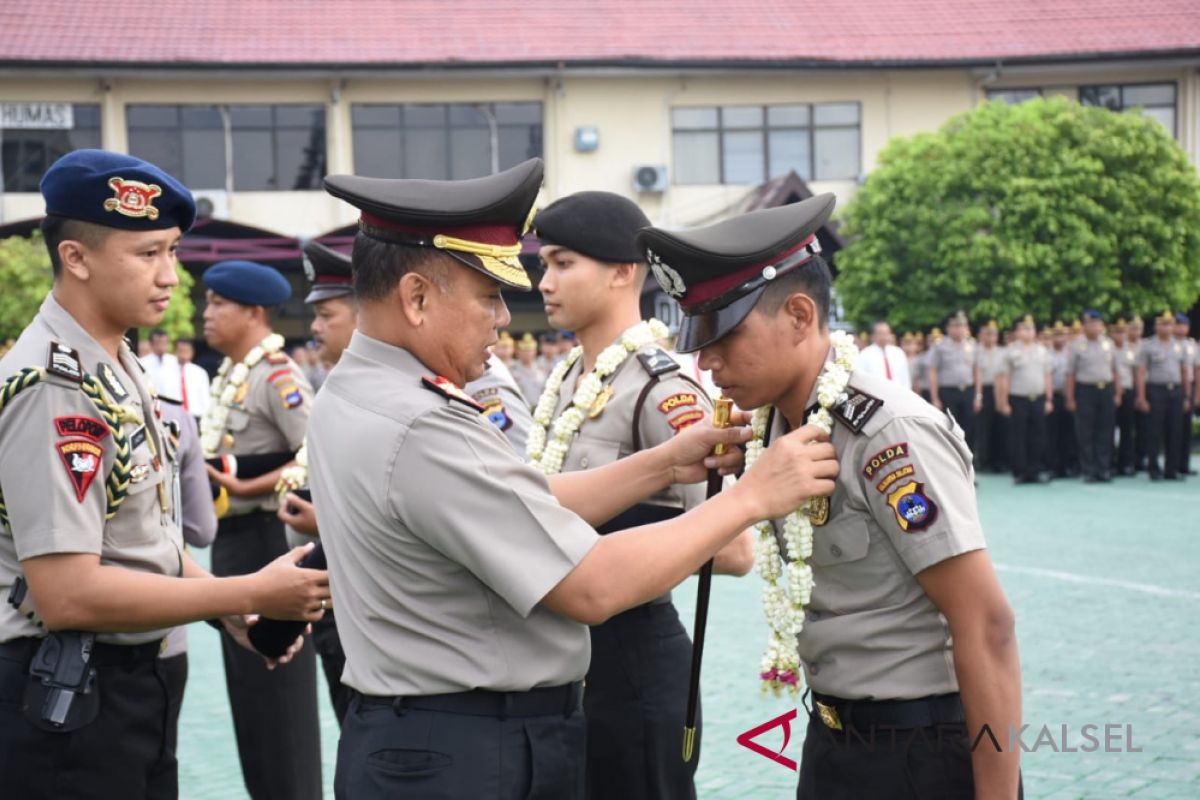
(1104, 580)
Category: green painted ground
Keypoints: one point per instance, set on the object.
(1104, 582)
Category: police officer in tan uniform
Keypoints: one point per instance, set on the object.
(1024, 395)
(90, 547)
(464, 587)
(259, 405)
(637, 683)
(951, 367)
(1161, 376)
(989, 443)
(1126, 455)
(1062, 451)
(907, 629)
(1093, 388)
(527, 369)
(1191, 363)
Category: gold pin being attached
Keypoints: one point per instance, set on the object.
(597, 406)
(722, 411)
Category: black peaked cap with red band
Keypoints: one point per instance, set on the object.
(718, 272)
(480, 221)
(328, 271)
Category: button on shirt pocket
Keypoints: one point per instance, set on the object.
(588, 453)
(852, 569)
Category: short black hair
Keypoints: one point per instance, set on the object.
(56, 230)
(812, 278)
(379, 266)
(157, 332)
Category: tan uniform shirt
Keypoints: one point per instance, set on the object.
(904, 501)
(1092, 362)
(1058, 368)
(1126, 360)
(442, 542)
(271, 417)
(1026, 367)
(989, 361)
(1163, 361)
(954, 362)
(919, 366)
(530, 381)
(57, 456)
(504, 405)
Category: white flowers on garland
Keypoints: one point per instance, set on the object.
(225, 388)
(296, 476)
(783, 603)
(548, 444)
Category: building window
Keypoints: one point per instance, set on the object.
(751, 144)
(272, 147)
(444, 142)
(1156, 100)
(1013, 96)
(35, 135)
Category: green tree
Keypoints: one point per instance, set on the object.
(26, 277)
(1046, 207)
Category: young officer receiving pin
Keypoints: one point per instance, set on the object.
(888, 570)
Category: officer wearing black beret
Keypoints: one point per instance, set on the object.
(464, 588)
(91, 556)
(888, 583)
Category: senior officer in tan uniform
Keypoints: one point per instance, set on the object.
(1161, 376)
(90, 543)
(951, 367)
(259, 405)
(465, 588)
(1093, 391)
(907, 614)
(637, 683)
(1024, 395)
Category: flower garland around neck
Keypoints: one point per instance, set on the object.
(548, 444)
(225, 389)
(784, 602)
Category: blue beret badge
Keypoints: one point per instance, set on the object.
(133, 198)
(915, 511)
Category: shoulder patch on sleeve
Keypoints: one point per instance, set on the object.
(857, 410)
(677, 400)
(87, 427)
(656, 361)
(446, 388)
(915, 509)
(684, 419)
(286, 372)
(496, 414)
(82, 460)
(64, 362)
(892, 452)
(291, 396)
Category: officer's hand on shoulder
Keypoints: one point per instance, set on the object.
(286, 591)
(691, 450)
(793, 468)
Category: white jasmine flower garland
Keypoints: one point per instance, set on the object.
(225, 388)
(548, 444)
(783, 604)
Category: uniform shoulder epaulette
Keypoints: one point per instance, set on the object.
(64, 362)
(448, 389)
(656, 361)
(857, 409)
(276, 358)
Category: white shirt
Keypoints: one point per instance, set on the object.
(163, 372)
(872, 361)
(196, 381)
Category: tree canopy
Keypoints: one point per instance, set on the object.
(1046, 207)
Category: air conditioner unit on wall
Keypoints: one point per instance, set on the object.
(211, 203)
(650, 178)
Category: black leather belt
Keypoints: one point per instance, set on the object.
(103, 654)
(542, 702)
(838, 714)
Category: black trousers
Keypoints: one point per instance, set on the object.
(174, 671)
(1026, 435)
(123, 753)
(1095, 416)
(1164, 424)
(635, 705)
(1062, 451)
(1185, 443)
(328, 644)
(1142, 436)
(960, 403)
(985, 429)
(274, 712)
(1126, 417)
(434, 755)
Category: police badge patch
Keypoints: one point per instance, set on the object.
(82, 460)
(915, 510)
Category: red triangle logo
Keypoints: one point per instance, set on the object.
(747, 739)
(82, 460)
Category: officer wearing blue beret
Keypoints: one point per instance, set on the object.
(259, 406)
(90, 551)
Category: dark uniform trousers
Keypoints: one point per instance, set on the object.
(960, 403)
(1126, 416)
(1026, 435)
(174, 671)
(1095, 415)
(1164, 423)
(990, 436)
(274, 712)
(523, 746)
(1185, 443)
(1142, 436)
(1062, 452)
(123, 753)
(328, 645)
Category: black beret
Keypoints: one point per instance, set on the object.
(480, 222)
(599, 225)
(116, 191)
(718, 272)
(328, 271)
(248, 283)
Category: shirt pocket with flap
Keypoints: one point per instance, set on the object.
(852, 568)
(588, 453)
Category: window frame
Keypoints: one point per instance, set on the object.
(23, 145)
(1121, 87)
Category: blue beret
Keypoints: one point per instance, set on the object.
(248, 283)
(1182, 317)
(1092, 313)
(116, 191)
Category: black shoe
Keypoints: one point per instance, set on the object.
(1173, 476)
(1042, 479)
(1127, 472)
(1156, 476)
(1105, 477)
(1090, 479)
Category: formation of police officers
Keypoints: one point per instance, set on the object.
(1096, 399)
(502, 579)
